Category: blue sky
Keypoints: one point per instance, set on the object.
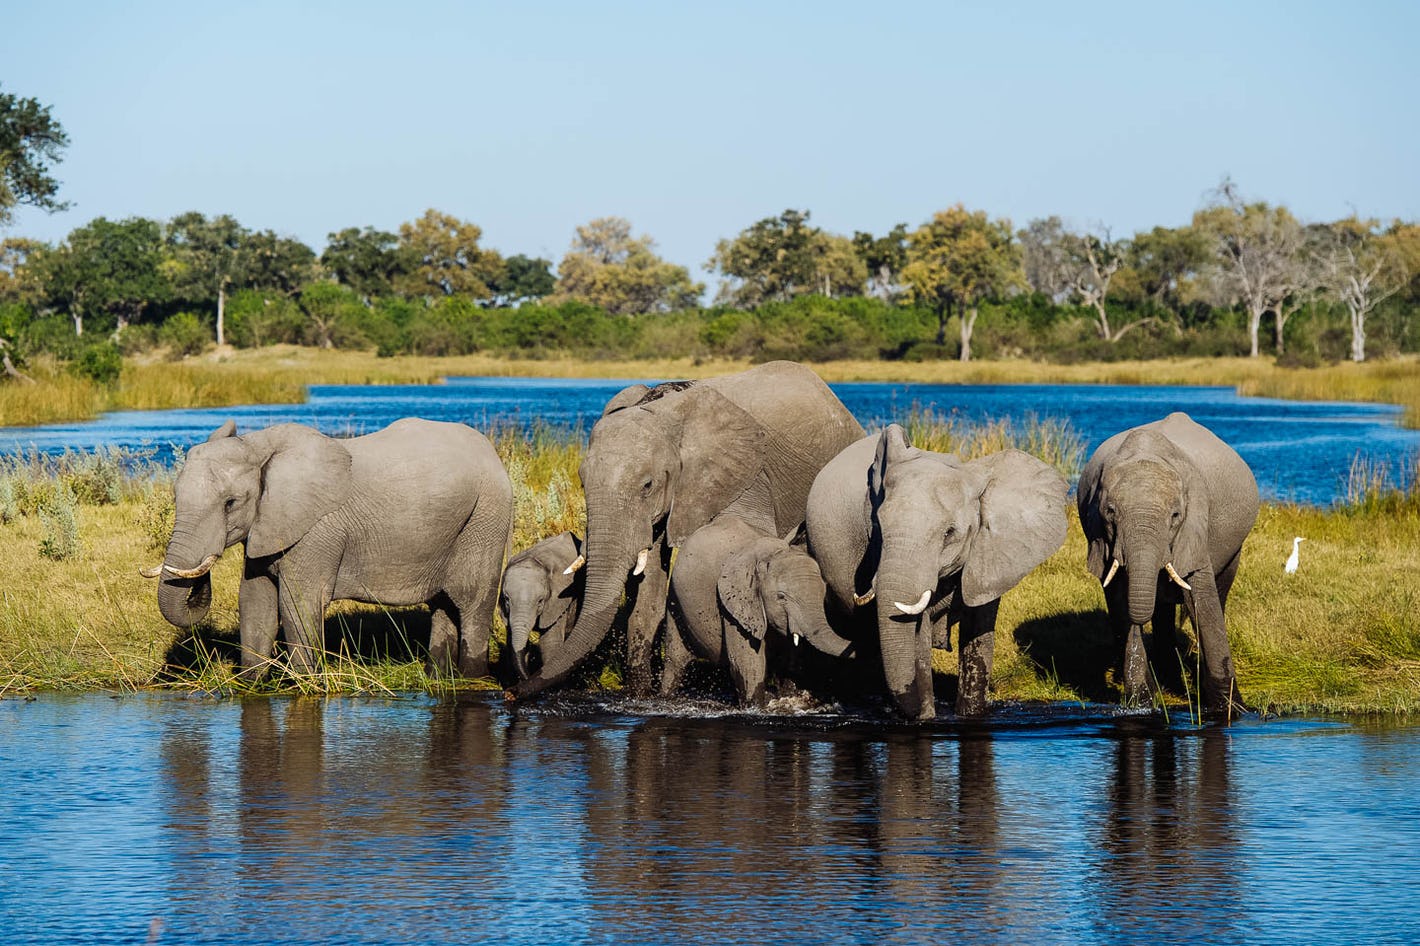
(695, 121)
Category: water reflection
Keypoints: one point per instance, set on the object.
(1168, 851)
(305, 820)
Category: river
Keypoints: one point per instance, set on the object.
(1300, 451)
(360, 820)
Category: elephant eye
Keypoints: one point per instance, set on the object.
(646, 486)
(951, 531)
(231, 504)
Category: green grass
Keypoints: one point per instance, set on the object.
(1342, 635)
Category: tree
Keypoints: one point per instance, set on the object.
(31, 141)
(606, 266)
(19, 279)
(441, 257)
(522, 279)
(1060, 262)
(1256, 251)
(1362, 269)
(778, 258)
(957, 260)
(1043, 257)
(108, 267)
(884, 257)
(331, 311)
(277, 265)
(367, 260)
(1164, 259)
(210, 257)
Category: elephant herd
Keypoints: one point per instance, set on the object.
(803, 548)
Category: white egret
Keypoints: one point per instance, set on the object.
(1291, 566)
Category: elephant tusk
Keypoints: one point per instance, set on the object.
(917, 608)
(1114, 567)
(641, 562)
(577, 563)
(153, 571)
(203, 568)
(1177, 578)
(796, 639)
(866, 597)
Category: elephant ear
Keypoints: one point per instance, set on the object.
(1022, 523)
(556, 607)
(305, 477)
(721, 454)
(1192, 550)
(229, 429)
(892, 448)
(1093, 525)
(738, 591)
(626, 397)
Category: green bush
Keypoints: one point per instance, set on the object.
(185, 334)
(137, 339)
(59, 522)
(101, 363)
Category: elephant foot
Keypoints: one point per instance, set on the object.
(473, 668)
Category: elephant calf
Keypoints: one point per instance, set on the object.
(542, 588)
(731, 587)
(418, 512)
(1165, 508)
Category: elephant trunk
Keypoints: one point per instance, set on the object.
(1143, 560)
(184, 601)
(813, 626)
(611, 551)
(519, 630)
(903, 578)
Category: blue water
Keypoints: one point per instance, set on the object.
(194, 820)
(1299, 451)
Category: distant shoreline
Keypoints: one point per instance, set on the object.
(280, 375)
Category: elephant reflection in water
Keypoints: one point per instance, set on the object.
(1170, 847)
(785, 835)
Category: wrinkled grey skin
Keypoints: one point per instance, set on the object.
(901, 522)
(539, 595)
(736, 593)
(664, 461)
(1169, 491)
(418, 512)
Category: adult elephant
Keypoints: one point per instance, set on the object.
(664, 461)
(926, 540)
(1165, 508)
(418, 512)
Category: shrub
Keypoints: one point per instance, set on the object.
(101, 363)
(59, 523)
(136, 339)
(9, 508)
(185, 334)
(155, 517)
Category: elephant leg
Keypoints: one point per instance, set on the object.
(471, 584)
(645, 620)
(259, 621)
(748, 667)
(977, 647)
(1165, 662)
(443, 638)
(1225, 579)
(1220, 683)
(677, 656)
(301, 603)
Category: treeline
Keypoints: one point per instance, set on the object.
(962, 284)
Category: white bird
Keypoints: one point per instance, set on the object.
(1291, 566)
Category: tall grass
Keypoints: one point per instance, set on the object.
(1373, 489)
(1051, 439)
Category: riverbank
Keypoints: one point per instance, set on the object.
(279, 374)
(1342, 635)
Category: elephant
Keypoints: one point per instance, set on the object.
(542, 587)
(1167, 505)
(732, 585)
(929, 540)
(662, 462)
(420, 511)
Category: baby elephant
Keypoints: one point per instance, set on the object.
(542, 588)
(732, 584)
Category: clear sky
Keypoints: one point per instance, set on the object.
(694, 121)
